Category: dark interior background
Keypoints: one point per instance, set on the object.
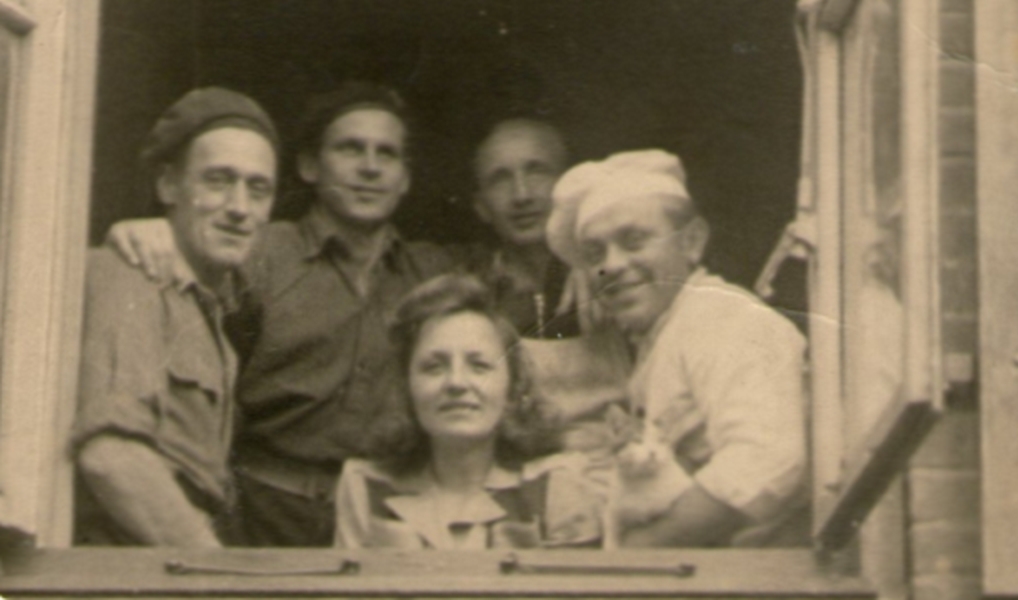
(716, 81)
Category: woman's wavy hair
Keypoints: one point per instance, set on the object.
(529, 428)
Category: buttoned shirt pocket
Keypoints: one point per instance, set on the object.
(190, 367)
(196, 419)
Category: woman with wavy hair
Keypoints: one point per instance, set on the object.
(464, 452)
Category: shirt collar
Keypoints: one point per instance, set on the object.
(227, 297)
(414, 503)
(321, 233)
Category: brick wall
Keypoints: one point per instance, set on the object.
(943, 480)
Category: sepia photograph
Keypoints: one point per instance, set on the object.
(508, 298)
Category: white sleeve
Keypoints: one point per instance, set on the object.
(750, 378)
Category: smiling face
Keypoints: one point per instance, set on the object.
(360, 172)
(638, 259)
(517, 167)
(219, 197)
(459, 377)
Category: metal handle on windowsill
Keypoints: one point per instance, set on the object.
(176, 567)
(512, 564)
(508, 566)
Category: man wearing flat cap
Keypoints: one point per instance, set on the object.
(718, 374)
(155, 414)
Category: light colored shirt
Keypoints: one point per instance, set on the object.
(545, 504)
(720, 377)
(156, 367)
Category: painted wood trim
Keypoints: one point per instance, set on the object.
(45, 267)
(825, 275)
(873, 465)
(920, 85)
(727, 573)
(996, 72)
(881, 538)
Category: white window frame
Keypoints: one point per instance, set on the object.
(53, 106)
(42, 330)
(868, 463)
(996, 68)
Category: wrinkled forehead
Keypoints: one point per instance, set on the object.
(518, 142)
(240, 148)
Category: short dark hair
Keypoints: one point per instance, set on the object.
(323, 109)
(528, 429)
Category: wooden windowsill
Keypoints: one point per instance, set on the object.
(727, 573)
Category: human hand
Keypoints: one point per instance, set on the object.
(149, 245)
(577, 293)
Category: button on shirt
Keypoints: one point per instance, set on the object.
(316, 346)
(720, 377)
(156, 367)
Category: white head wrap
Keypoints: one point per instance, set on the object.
(591, 187)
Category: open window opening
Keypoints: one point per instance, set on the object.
(613, 77)
(718, 84)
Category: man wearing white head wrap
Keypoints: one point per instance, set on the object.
(718, 374)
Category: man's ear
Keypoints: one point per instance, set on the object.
(167, 185)
(697, 235)
(482, 210)
(307, 167)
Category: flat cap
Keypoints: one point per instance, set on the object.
(624, 178)
(199, 111)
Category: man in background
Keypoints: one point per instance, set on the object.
(516, 165)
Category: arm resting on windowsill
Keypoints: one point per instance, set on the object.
(695, 519)
(139, 491)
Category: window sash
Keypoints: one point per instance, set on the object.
(996, 69)
(43, 260)
(871, 464)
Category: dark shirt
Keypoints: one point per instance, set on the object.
(311, 345)
(532, 313)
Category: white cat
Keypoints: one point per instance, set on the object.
(647, 478)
